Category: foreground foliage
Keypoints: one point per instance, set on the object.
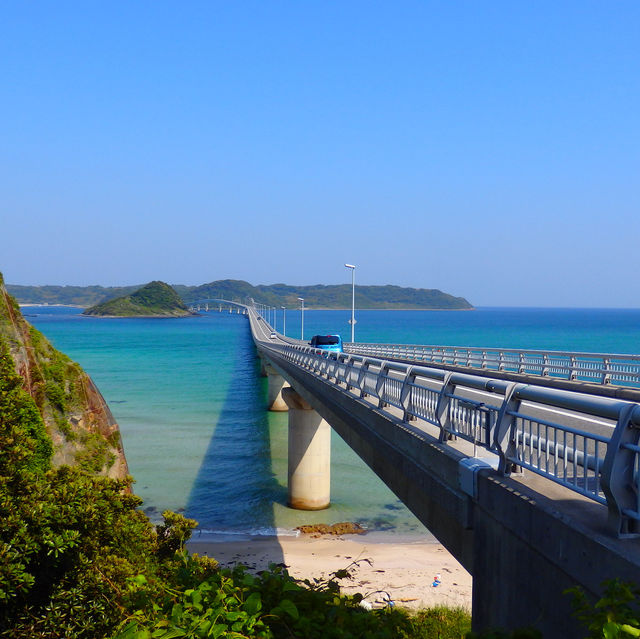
(234, 603)
(615, 615)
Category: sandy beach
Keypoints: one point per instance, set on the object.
(405, 570)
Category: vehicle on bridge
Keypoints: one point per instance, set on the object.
(331, 343)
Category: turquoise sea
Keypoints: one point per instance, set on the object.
(191, 404)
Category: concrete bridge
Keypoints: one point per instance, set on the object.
(217, 304)
(533, 489)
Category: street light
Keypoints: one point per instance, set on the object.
(352, 321)
(301, 299)
(284, 320)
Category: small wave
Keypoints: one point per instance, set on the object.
(209, 534)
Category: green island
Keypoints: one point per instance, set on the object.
(316, 296)
(155, 299)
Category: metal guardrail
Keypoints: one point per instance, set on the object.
(586, 443)
(598, 368)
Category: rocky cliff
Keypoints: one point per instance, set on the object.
(78, 420)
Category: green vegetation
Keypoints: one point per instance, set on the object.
(319, 296)
(234, 603)
(24, 443)
(615, 615)
(61, 378)
(154, 299)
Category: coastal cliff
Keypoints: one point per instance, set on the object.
(77, 418)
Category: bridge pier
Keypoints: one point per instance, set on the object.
(275, 384)
(309, 475)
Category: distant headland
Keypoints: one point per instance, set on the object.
(316, 296)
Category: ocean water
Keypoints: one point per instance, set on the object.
(191, 405)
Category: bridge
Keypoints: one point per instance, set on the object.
(217, 304)
(533, 489)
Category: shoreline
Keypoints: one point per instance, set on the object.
(319, 308)
(404, 569)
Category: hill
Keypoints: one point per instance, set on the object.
(68, 295)
(317, 296)
(321, 296)
(156, 299)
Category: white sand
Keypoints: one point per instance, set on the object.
(405, 570)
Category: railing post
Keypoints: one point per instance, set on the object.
(405, 395)
(442, 408)
(619, 474)
(383, 373)
(362, 375)
(606, 373)
(545, 367)
(573, 372)
(348, 369)
(503, 441)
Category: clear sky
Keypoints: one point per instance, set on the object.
(488, 149)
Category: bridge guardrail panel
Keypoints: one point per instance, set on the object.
(389, 385)
(567, 456)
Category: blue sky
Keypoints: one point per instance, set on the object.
(488, 149)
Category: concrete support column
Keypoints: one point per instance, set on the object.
(275, 384)
(309, 455)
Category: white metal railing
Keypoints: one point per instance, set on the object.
(599, 368)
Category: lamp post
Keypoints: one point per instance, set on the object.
(352, 321)
(301, 299)
(275, 319)
(284, 320)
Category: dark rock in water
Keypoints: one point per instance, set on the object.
(343, 528)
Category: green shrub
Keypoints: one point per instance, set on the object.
(24, 443)
(441, 622)
(615, 614)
